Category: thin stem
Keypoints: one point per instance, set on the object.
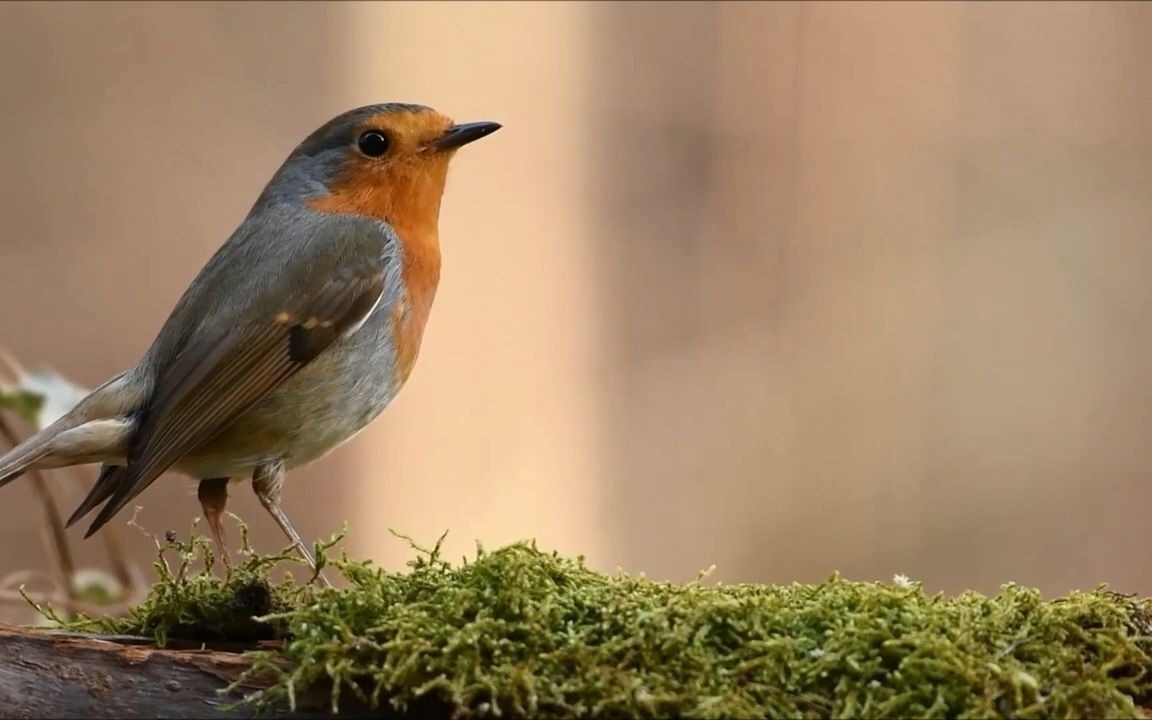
(13, 597)
(109, 535)
(65, 565)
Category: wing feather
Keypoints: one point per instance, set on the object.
(214, 380)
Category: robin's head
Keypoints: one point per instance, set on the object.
(386, 161)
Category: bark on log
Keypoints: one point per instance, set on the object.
(48, 674)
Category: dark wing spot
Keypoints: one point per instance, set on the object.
(304, 344)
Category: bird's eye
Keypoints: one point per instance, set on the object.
(373, 143)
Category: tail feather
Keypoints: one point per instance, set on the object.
(95, 430)
(110, 477)
(13, 475)
(21, 458)
(67, 442)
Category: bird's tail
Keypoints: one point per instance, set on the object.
(97, 429)
(19, 459)
(106, 483)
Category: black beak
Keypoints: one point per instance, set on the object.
(461, 135)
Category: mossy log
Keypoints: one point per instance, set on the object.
(520, 633)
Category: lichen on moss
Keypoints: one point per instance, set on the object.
(520, 632)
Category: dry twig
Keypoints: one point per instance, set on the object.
(61, 551)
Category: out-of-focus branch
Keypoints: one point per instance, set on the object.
(116, 556)
(61, 550)
(38, 398)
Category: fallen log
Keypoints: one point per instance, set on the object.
(520, 633)
(46, 674)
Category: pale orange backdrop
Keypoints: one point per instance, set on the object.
(787, 288)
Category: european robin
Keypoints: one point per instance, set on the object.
(296, 334)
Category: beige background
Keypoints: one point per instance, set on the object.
(785, 287)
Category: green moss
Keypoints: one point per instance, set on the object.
(524, 633)
(190, 601)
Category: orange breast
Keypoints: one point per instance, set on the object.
(421, 275)
(406, 196)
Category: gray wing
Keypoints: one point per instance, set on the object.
(308, 296)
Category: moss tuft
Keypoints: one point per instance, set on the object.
(190, 602)
(524, 633)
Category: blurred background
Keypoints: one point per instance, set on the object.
(788, 288)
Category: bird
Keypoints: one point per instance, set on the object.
(297, 333)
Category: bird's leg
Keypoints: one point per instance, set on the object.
(213, 494)
(268, 481)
